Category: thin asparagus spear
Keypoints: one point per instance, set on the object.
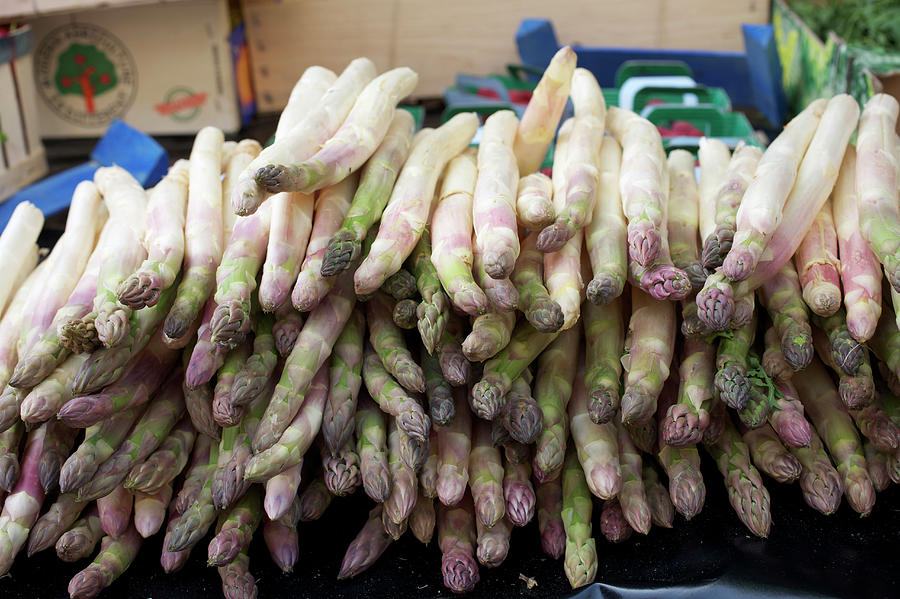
(613, 524)
(100, 442)
(387, 341)
(687, 420)
(80, 539)
(518, 492)
(486, 475)
(366, 547)
(549, 513)
(596, 444)
(57, 447)
(820, 482)
(662, 512)
(423, 518)
(552, 390)
(633, 495)
(392, 398)
(61, 515)
(404, 484)
(115, 511)
(255, 372)
(236, 530)
(606, 233)
(539, 308)
(440, 397)
(581, 552)
(150, 510)
(371, 446)
(682, 465)
(770, 455)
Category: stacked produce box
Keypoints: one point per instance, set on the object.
(471, 342)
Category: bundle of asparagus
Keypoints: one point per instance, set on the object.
(360, 304)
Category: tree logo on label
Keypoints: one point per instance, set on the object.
(86, 75)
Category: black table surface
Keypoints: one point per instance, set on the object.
(713, 555)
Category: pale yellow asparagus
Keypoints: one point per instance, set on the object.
(20, 232)
(606, 233)
(541, 117)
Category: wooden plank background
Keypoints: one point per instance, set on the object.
(439, 38)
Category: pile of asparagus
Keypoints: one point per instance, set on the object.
(361, 304)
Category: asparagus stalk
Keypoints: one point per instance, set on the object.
(605, 234)
(404, 485)
(457, 539)
(387, 341)
(46, 399)
(770, 455)
(280, 501)
(376, 182)
(454, 443)
(61, 515)
(746, 492)
(150, 510)
(501, 293)
(57, 447)
(494, 200)
(167, 462)
(236, 278)
(198, 513)
(642, 183)
(762, 209)
(310, 352)
(486, 476)
(682, 466)
(820, 482)
(552, 390)
(332, 204)
(542, 114)
(282, 540)
(286, 329)
(820, 399)
(683, 212)
(100, 442)
(255, 372)
(738, 176)
(164, 240)
(451, 235)
(518, 492)
(860, 271)
(346, 377)
(582, 165)
(596, 444)
(236, 529)
(549, 513)
(224, 411)
(352, 144)
(493, 542)
(877, 464)
(342, 470)
(648, 356)
(22, 506)
(9, 456)
(206, 357)
(296, 438)
(542, 311)
(116, 554)
(433, 311)
(534, 201)
(20, 232)
(237, 581)
(876, 183)
(521, 414)
(687, 420)
(139, 382)
(662, 512)
(633, 495)
(818, 266)
(714, 157)
(773, 362)
(371, 446)
(581, 552)
(454, 366)
(782, 298)
(204, 236)
(80, 539)
(115, 511)
(732, 364)
(613, 524)
(787, 417)
(366, 547)
(440, 399)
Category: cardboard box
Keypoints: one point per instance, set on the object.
(439, 39)
(22, 158)
(163, 68)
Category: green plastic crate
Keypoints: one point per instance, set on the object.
(730, 127)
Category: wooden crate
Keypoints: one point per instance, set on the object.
(22, 158)
(439, 38)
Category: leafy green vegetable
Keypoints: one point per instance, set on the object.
(864, 22)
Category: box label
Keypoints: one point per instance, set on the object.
(85, 74)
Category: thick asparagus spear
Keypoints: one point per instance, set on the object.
(493, 542)
(534, 201)
(782, 298)
(770, 455)
(648, 355)
(860, 270)
(714, 157)
(662, 512)
(542, 311)
(387, 341)
(687, 420)
(518, 492)
(346, 378)
(818, 266)
(542, 114)
(236, 529)
(596, 444)
(682, 465)
(731, 378)
(683, 213)
(23, 504)
(79, 540)
(605, 234)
